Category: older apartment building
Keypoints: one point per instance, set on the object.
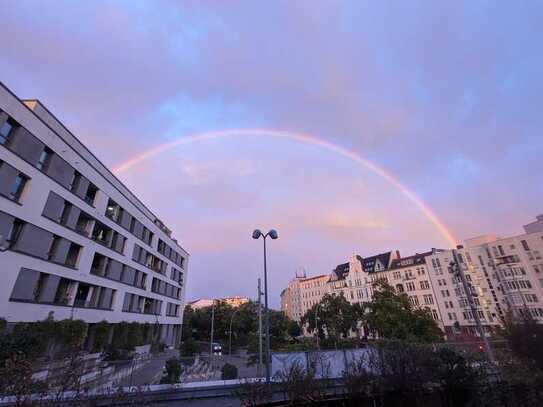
(301, 294)
(505, 275)
(75, 242)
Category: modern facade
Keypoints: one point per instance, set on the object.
(76, 243)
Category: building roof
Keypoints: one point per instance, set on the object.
(314, 277)
(416, 259)
(340, 272)
(379, 262)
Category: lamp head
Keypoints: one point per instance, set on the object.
(257, 233)
(273, 234)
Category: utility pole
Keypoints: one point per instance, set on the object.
(259, 329)
(467, 288)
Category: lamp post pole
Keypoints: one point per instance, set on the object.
(267, 316)
(259, 329)
(256, 235)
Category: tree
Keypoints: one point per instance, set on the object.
(294, 329)
(392, 316)
(333, 315)
(244, 319)
(172, 372)
(229, 372)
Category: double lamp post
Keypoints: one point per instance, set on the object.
(257, 234)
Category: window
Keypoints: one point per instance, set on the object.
(115, 240)
(53, 247)
(5, 131)
(83, 223)
(97, 263)
(18, 187)
(428, 299)
(434, 315)
(45, 158)
(90, 196)
(101, 233)
(65, 212)
(424, 285)
(410, 286)
(525, 245)
(113, 211)
(15, 232)
(500, 248)
(76, 180)
(73, 255)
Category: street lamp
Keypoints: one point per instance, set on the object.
(257, 234)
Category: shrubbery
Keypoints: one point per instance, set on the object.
(229, 372)
(173, 371)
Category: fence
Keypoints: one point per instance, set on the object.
(325, 364)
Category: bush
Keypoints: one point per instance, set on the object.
(229, 372)
(188, 347)
(101, 336)
(253, 393)
(72, 333)
(299, 385)
(173, 371)
(134, 335)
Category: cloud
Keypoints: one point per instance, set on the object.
(442, 96)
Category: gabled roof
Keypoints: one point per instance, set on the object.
(340, 272)
(415, 260)
(369, 264)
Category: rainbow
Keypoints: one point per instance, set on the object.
(302, 138)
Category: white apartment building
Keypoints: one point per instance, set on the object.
(76, 243)
(408, 275)
(426, 286)
(455, 313)
(504, 275)
(301, 294)
(515, 265)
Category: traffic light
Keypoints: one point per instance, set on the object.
(481, 348)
